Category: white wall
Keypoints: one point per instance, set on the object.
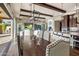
(52, 23)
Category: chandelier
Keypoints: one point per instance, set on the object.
(77, 11)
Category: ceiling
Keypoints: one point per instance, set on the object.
(68, 7)
(3, 13)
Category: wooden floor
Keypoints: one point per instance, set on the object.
(36, 50)
(74, 51)
(40, 50)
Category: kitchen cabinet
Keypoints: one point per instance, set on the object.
(72, 21)
(65, 23)
(68, 22)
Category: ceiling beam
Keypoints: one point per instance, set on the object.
(5, 9)
(36, 12)
(4, 17)
(50, 7)
(31, 16)
(0, 11)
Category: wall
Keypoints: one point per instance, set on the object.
(50, 23)
(57, 26)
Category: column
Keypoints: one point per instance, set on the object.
(14, 28)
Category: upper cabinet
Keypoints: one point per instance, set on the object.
(68, 22)
(72, 21)
(65, 23)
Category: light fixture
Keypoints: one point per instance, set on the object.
(61, 17)
(33, 13)
(77, 11)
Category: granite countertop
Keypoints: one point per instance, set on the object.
(69, 33)
(64, 34)
(74, 33)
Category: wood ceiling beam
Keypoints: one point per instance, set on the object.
(5, 9)
(50, 7)
(2, 17)
(0, 11)
(23, 10)
(6, 18)
(31, 16)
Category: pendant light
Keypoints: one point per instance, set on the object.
(62, 14)
(35, 12)
(76, 10)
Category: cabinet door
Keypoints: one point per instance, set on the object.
(72, 21)
(65, 23)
